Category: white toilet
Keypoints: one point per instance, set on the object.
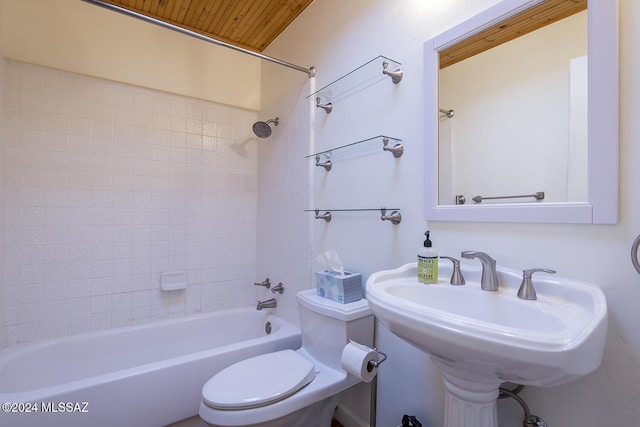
(292, 388)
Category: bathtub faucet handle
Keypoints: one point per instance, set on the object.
(279, 288)
(266, 283)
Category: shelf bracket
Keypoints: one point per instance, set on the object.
(326, 216)
(326, 165)
(396, 76)
(395, 216)
(326, 107)
(396, 150)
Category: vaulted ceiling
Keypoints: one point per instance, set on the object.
(254, 24)
(249, 24)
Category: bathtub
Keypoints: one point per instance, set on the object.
(149, 375)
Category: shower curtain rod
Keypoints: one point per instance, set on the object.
(310, 71)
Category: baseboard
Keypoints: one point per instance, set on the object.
(348, 419)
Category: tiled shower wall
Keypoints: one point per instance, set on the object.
(108, 185)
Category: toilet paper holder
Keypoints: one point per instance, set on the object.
(373, 364)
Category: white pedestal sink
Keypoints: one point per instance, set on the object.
(480, 339)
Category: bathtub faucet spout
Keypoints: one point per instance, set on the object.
(270, 303)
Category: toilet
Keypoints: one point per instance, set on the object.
(292, 388)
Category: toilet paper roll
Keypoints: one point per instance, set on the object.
(355, 360)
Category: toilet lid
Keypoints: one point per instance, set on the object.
(258, 381)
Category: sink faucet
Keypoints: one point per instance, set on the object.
(270, 303)
(489, 280)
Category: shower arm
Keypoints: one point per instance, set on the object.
(311, 72)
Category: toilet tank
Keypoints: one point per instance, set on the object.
(327, 326)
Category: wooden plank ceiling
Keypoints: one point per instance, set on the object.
(530, 20)
(249, 24)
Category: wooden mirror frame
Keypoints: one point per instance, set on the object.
(602, 204)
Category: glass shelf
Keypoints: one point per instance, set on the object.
(354, 80)
(379, 138)
(351, 210)
(392, 215)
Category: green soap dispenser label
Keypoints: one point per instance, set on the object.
(428, 269)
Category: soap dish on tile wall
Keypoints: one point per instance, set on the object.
(173, 280)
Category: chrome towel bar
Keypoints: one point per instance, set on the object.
(538, 196)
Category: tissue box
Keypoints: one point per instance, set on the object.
(340, 288)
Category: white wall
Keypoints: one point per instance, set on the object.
(337, 43)
(283, 226)
(83, 38)
(107, 186)
(336, 37)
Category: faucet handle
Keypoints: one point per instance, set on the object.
(279, 288)
(528, 273)
(266, 283)
(456, 276)
(527, 290)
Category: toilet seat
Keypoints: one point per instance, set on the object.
(258, 381)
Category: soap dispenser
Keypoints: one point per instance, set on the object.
(427, 262)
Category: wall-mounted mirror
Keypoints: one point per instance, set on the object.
(522, 100)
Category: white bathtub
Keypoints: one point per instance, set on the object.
(149, 375)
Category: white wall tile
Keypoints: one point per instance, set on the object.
(105, 188)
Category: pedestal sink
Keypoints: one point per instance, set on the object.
(480, 339)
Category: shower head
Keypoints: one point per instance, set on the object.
(262, 129)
